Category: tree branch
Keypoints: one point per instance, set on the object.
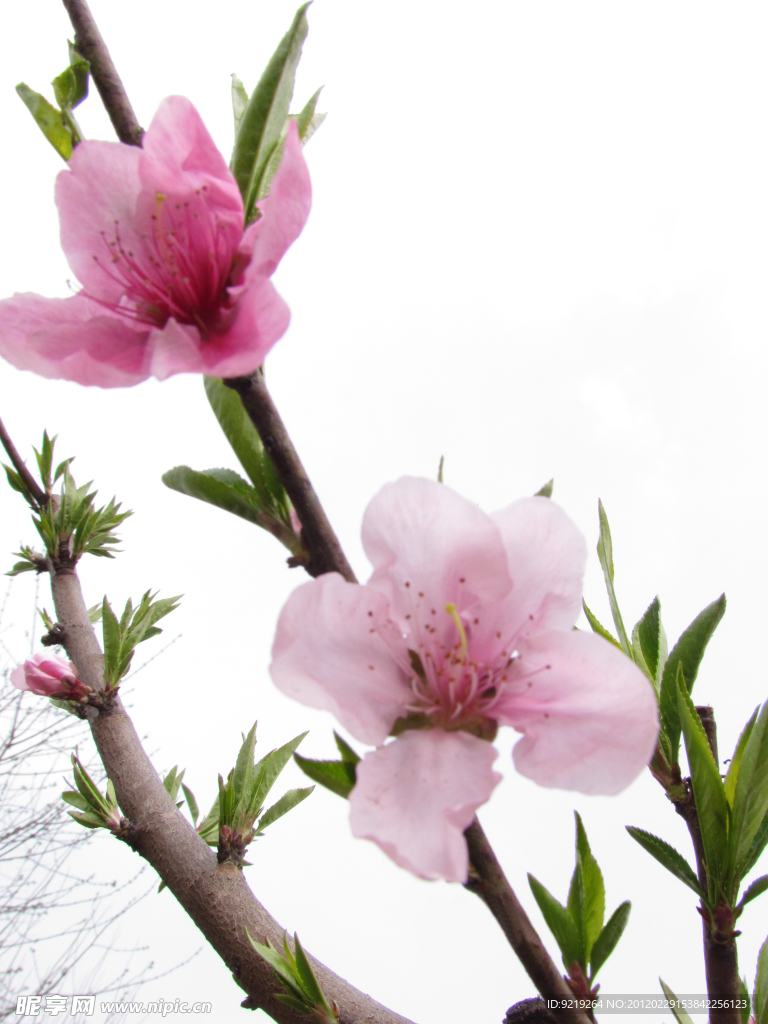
(20, 466)
(90, 45)
(488, 881)
(216, 896)
(325, 553)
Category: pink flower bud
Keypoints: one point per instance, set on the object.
(49, 676)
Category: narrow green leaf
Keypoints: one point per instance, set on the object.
(348, 755)
(605, 554)
(649, 632)
(750, 801)
(746, 1009)
(270, 767)
(307, 976)
(208, 829)
(757, 888)
(111, 635)
(597, 626)
(593, 891)
(759, 843)
(338, 776)
(239, 431)
(239, 101)
(688, 652)
(679, 1013)
(546, 490)
(760, 995)
(244, 772)
(70, 88)
(708, 790)
(74, 799)
(194, 811)
(559, 922)
(669, 857)
(608, 938)
(286, 803)
(733, 767)
(49, 120)
(265, 113)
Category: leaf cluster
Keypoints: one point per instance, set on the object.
(93, 809)
(261, 499)
(578, 928)
(121, 637)
(302, 990)
(70, 88)
(70, 524)
(237, 816)
(338, 776)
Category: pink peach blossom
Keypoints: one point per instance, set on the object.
(466, 624)
(49, 676)
(171, 281)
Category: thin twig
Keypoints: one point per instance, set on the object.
(90, 45)
(33, 487)
(322, 544)
(488, 881)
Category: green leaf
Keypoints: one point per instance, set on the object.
(605, 554)
(708, 790)
(589, 907)
(111, 633)
(268, 769)
(244, 770)
(338, 776)
(70, 88)
(759, 843)
(760, 995)
(746, 1009)
(191, 804)
(750, 801)
(757, 888)
(669, 857)
(308, 120)
(220, 487)
(608, 938)
(679, 1013)
(49, 120)
(598, 627)
(286, 803)
(546, 490)
(208, 829)
(306, 975)
(347, 753)
(733, 767)
(264, 116)
(652, 640)
(688, 652)
(74, 799)
(559, 922)
(239, 101)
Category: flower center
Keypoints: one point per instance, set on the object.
(181, 268)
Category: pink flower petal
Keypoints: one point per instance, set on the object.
(588, 713)
(96, 197)
(430, 547)
(71, 339)
(328, 654)
(416, 796)
(547, 556)
(284, 211)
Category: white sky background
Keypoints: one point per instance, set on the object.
(537, 247)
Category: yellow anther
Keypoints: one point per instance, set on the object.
(451, 609)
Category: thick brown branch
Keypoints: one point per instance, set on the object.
(33, 487)
(322, 544)
(90, 45)
(488, 881)
(216, 896)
